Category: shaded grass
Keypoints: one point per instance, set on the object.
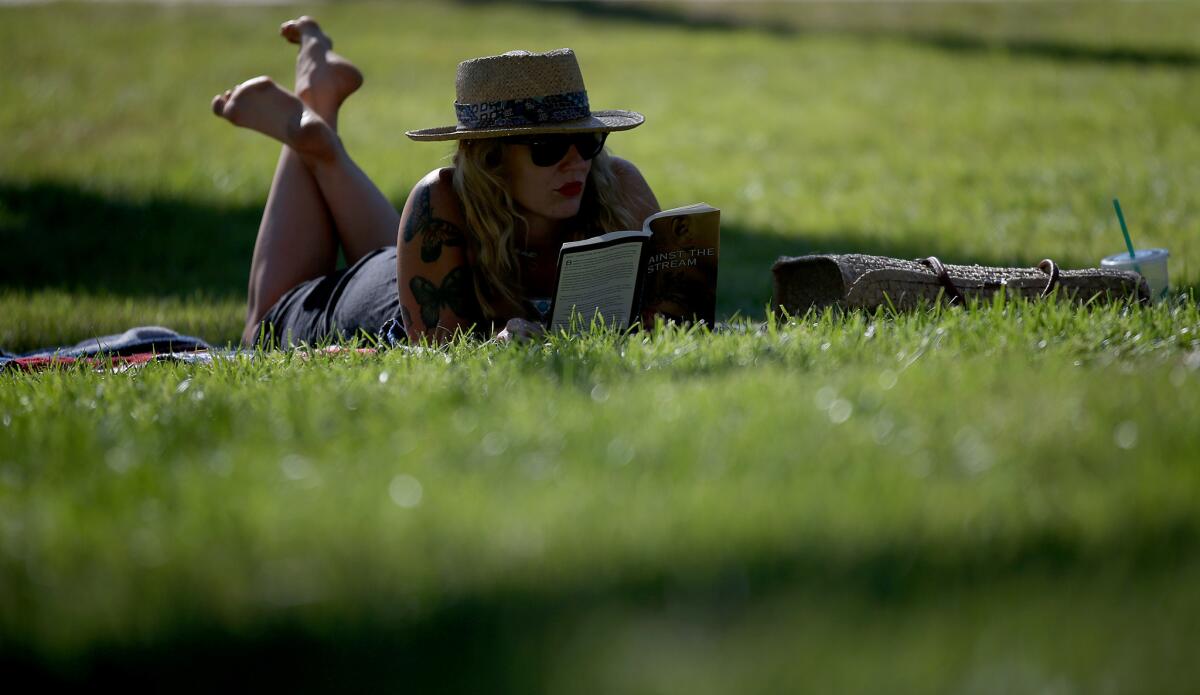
(1145, 33)
(62, 236)
(47, 318)
(1042, 631)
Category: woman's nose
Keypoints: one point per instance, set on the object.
(572, 157)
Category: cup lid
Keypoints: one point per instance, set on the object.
(1140, 256)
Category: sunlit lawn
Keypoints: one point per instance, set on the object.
(987, 500)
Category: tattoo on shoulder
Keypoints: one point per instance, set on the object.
(434, 231)
(456, 292)
(421, 211)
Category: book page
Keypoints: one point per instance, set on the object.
(601, 276)
(686, 210)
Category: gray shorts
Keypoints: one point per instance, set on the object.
(355, 301)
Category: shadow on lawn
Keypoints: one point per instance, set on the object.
(662, 15)
(519, 641)
(59, 236)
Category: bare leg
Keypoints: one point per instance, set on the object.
(297, 239)
(365, 220)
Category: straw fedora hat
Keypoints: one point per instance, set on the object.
(520, 93)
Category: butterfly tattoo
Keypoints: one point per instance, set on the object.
(456, 292)
(435, 232)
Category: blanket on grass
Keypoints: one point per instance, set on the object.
(134, 347)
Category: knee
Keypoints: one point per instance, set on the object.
(252, 332)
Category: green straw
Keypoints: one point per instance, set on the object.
(1124, 229)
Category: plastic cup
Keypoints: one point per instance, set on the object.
(1150, 263)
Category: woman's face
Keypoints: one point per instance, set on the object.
(553, 192)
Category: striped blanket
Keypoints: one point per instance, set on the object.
(120, 351)
(136, 347)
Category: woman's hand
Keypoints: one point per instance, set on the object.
(518, 330)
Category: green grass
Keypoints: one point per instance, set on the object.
(919, 466)
(996, 499)
(118, 180)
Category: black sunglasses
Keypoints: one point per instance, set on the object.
(548, 150)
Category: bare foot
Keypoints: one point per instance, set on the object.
(260, 104)
(323, 78)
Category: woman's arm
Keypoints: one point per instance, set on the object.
(436, 288)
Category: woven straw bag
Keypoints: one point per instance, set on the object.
(855, 281)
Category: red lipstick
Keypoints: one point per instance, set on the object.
(570, 190)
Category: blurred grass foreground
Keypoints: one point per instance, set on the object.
(996, 499)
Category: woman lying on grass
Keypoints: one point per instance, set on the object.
(476, 245)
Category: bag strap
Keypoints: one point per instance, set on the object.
(943, 277)
(1050, 268)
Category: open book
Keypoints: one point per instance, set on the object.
(668, 269)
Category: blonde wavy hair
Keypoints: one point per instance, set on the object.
(493, 220)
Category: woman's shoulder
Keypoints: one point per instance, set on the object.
(625, 171)
(438, 186)
(432, 215)
(434, 195)
(634, 187)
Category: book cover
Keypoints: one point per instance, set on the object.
(681, 267)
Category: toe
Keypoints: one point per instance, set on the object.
(290, 31)
(308, 25)
(258, 84)
(218, 103)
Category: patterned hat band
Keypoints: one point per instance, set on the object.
(518, 113)
(523, 93)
